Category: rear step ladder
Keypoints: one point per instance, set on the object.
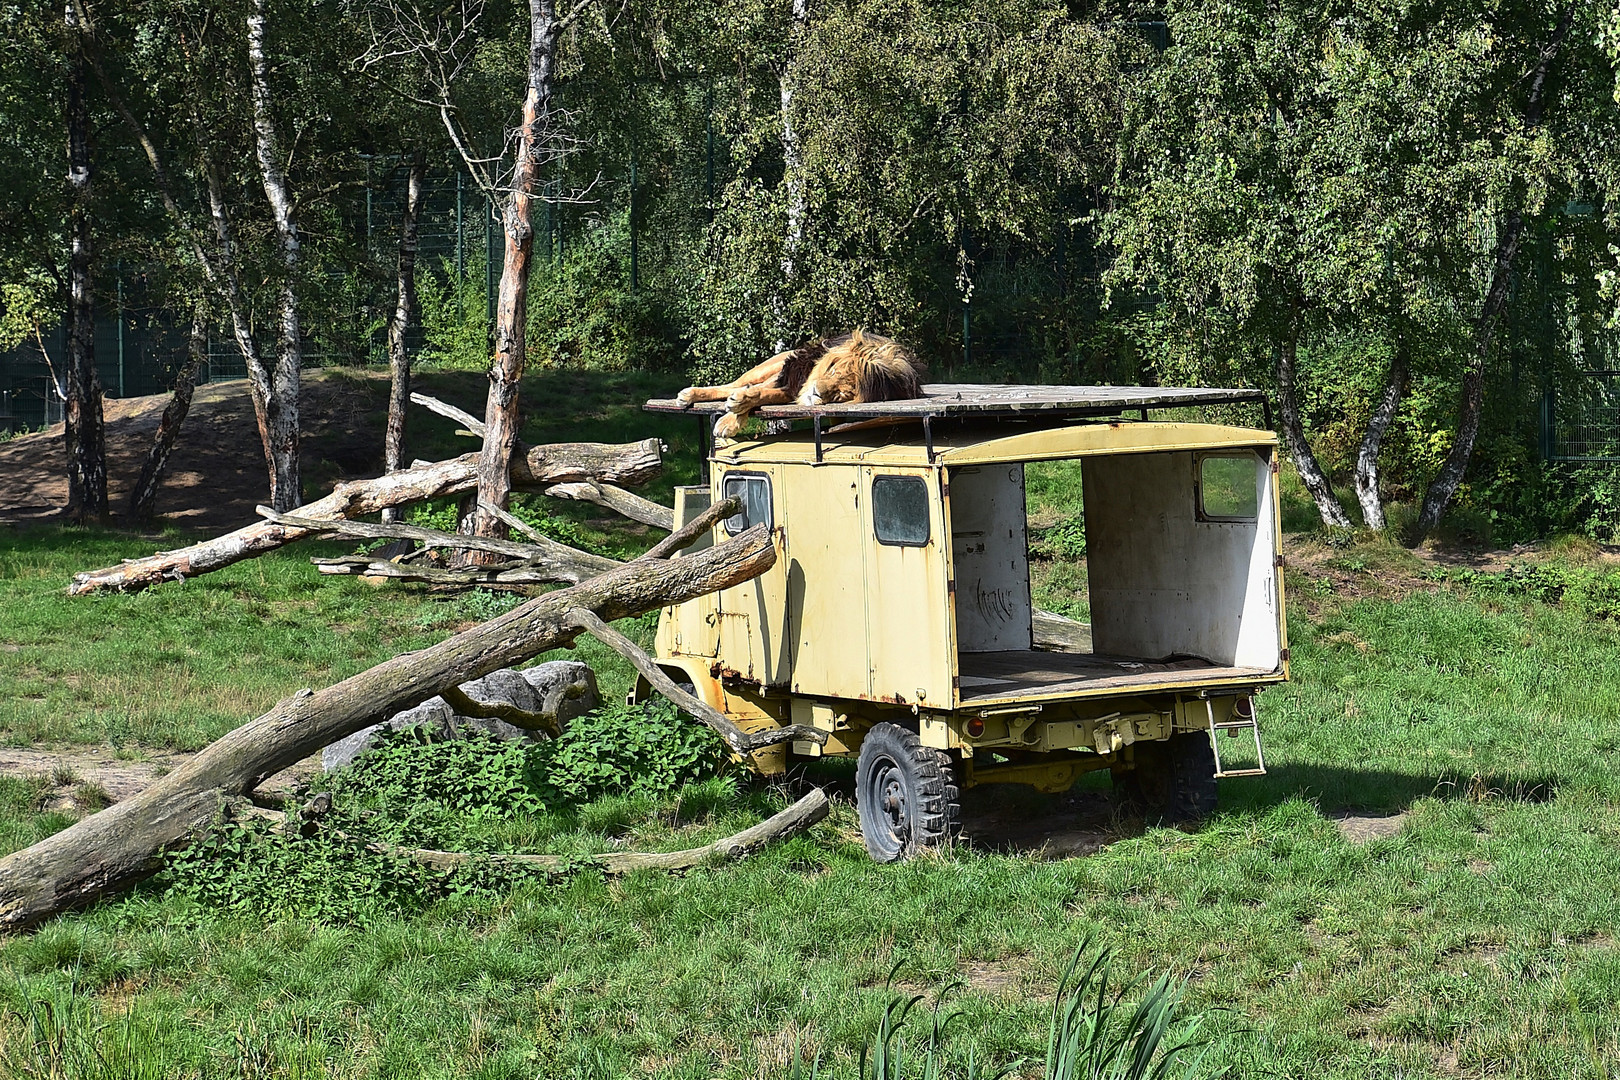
(1252, 724)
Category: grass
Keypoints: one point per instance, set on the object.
(1481, 939)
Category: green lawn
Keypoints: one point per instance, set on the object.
(1481, 939)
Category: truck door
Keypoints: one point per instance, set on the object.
(907, 609)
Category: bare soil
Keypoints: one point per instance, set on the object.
(217, 474)
(83, 776)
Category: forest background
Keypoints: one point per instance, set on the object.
(1399, 217)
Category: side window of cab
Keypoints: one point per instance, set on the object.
(754, 489)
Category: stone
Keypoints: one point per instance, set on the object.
(559, 689)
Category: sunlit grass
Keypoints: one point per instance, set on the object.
(1479, 939)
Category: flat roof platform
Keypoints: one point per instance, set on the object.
(986, 400)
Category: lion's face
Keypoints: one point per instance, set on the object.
(830, 384)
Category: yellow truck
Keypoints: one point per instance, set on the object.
(898, 619)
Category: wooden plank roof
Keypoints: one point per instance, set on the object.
(966, 400)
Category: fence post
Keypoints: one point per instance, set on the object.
(118, 274)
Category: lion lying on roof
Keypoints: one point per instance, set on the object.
(848, 368)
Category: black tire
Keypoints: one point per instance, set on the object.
(906, 794)
(1172, 781)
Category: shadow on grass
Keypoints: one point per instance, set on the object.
(1012, 820)
(1338, 788)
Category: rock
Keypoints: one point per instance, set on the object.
(562, 689)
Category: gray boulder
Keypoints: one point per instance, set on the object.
(558, 690)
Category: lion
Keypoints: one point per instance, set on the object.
(847, 368)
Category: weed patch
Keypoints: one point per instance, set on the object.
(611, 770)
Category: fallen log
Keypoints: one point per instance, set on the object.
(540, 467)
(801, 815)
(124, 843)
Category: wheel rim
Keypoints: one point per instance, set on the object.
(890, 801)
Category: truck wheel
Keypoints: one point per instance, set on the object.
(906, 794)
(1173, 781)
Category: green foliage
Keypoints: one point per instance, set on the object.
(1589, 590)
(465, 794)
(646, 749)
(583, 312)
(455, 319)
(1064, 540)
(1093, 1033)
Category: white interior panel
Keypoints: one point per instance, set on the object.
(990, 556)
(1164, 583)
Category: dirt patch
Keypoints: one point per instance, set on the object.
(1074, 826)
(1363, 829)
(78, 774)
(997, 977)
(216, 475)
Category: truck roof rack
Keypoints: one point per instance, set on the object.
(989, 400)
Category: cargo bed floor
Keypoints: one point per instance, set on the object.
(1030, 672)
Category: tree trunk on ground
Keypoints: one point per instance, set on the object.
(512, 304)
(1443, 488)
(813, 807)
(86, 442)
(399, 360)
(539, 468)
(117, 847)
(1367, 493)
(1293, 432)
(281, 406)
(144, 496)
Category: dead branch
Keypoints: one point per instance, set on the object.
(120, 845)
(474, 425)
(1055, 633)
(543, 552)
(540, 467)
(618, 500)
(464, 705)
(741, 742)
(516, 572)
(683, 537)
(813, 807)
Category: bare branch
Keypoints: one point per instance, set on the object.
(619, 501)
(433, 404)
(741, 742)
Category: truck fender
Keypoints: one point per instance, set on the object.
(684, 670)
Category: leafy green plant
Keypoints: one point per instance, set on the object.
(412, 790)
(1066, 539)
(627, 749)
(1095, 1035)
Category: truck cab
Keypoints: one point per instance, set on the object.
(899, 620)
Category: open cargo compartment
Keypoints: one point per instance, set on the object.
(1181, 568)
